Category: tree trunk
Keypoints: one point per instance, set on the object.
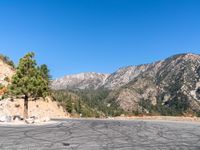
(25, 107)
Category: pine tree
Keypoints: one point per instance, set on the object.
(29, 81)
(69, 105)
(78, 106)
(45, 72)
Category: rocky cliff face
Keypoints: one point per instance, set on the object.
(173, 84)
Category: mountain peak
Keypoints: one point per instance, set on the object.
(185, 56)
(191, 56)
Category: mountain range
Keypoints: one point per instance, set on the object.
(166, 86)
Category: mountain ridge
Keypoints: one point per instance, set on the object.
(122, 75)
(72, 81)
(168, 86)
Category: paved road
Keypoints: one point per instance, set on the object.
(102, 135)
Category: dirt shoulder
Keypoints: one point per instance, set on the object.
(161, 118)
(147, 118)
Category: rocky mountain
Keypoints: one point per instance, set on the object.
(80, 81)
(167, 86)
(172, 84)
(97, 80)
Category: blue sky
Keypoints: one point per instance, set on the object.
(73, 36)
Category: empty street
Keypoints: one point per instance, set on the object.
(102, 135)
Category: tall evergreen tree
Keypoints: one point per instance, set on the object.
(30, 81)
(69, 105)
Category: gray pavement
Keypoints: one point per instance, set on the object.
(102, 135)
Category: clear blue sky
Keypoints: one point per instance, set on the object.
(73, 36)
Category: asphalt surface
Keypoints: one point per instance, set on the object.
(102, 135)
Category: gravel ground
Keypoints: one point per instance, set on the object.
(85, 134)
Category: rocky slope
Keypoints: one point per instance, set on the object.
(6, 72)
(123, 76)
(164, 86)
(173, 83)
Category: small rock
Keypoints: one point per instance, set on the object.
(30, 120)
(17, 118)
(5, 118)
(34, 117)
